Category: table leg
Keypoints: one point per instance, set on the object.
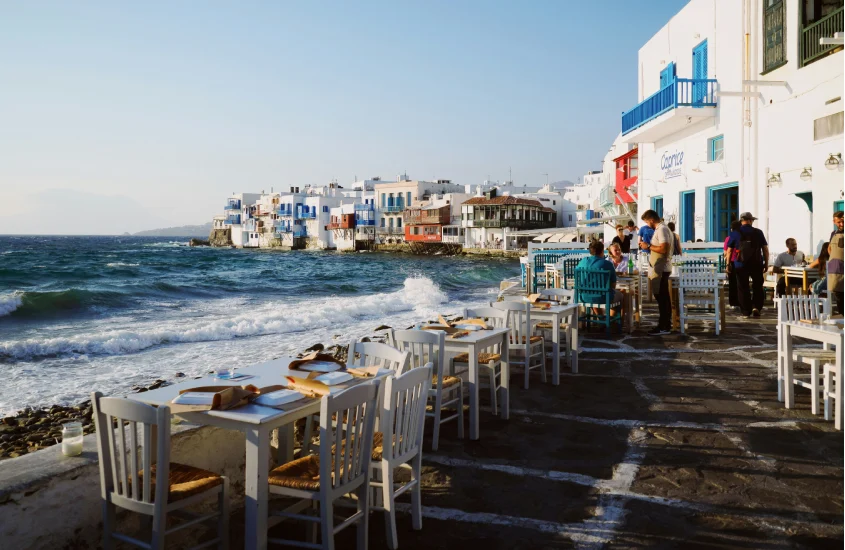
(788, 387)
(473, 393)
(555, 349)
(505, 381)
(573, 341)
(629, 311)
(256, 488)
(721, 308)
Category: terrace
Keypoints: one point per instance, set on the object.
(681, 102)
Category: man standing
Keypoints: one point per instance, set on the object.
(751, 263)
(660, 248)
(791, 257)
(836, 263)
(631, 230)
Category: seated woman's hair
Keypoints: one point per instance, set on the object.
(614, 246)
(596, 247)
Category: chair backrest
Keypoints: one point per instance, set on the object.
(351, 439)
(700, 277)
(402, 417)
(592, 281)
(424, 347)
(374, 354)
(795, 308)
(562, 295)
(495, 317)
(519, 320)
(120, 462)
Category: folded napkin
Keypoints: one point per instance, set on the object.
(810, 321)
(208, 398)
(459, 334)
(278, 397)
(333, 378)
(363, 372)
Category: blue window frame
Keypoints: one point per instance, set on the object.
(716, 149)
(667, 75)
(837, 205)
(325, 209)
(723, 201)
(657, 205)
(687, 216)
(699, 73)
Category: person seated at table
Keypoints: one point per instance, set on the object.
(623, 240)
(820, 263)
(677, 250)
(596, 260)
(792, 257)
(617, 258)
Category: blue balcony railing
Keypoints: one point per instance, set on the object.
(232, 220)
(399, 208)
(363, 207)
(232, 206)
(308, 216)
(682, 92)
(285, 212)
(360, 222)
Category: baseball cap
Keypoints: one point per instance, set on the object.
(747, 216)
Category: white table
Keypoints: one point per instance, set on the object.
(629, 285)
(477, 341)
(826, 334)
(256, 422)
(673, 290)
(807, 275)
(557, 315)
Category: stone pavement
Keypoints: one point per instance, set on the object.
(672, 442)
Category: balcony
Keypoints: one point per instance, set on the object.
(364, 207)
(685, 101)
(825, 27)
(346, 224)
(607, 197)
(392, 208)
(512, 224)
(363, 223)
(284, 212)
(232, 206)
(232, 220)
(390, 231)
(308, 216)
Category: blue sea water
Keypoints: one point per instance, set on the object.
(79, 314)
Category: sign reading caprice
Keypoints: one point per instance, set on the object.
(672, 164)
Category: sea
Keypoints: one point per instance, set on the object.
(83, 314)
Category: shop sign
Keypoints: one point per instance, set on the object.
(672, 164)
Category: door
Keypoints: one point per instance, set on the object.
(657, 205)
(699, 74)
(688, 216)
(725, 208)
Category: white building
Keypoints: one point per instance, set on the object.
(715, 122)
(393, 198)
(236, 215)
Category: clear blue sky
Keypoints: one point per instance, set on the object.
(172, 106)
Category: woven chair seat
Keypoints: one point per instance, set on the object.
(602, 304)
(183, 481)
(546, 325)
(483, 358)
(302, 473)
(448, 381)
(818, 354)
(534, 339)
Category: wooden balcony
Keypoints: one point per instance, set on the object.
(826, 27)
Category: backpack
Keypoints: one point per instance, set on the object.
(750, 251)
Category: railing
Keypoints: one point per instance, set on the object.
(296, 231)
(456, 239)
(363, 207)
(232, 206)
(360, 222)
(390, 230)
(436, 219)
(682, 92)
(391, 208)
(811, 50)
(606, 196)
(308, 216)
(515, 224)
(285, 212)
(234, 220)
(340, 225)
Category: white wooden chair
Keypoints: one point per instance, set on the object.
(399, 445)
(525, 349)
(374, 354)
(341, 468)
(489, 362)
(830, 378)
(552, 275)
(427, 347)
(562, 296)
(135, 483)
(698, 286)
(793, 308)
(643, 268)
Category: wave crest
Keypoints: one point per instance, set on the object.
(10, 303)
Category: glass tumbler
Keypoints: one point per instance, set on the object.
(72, 439)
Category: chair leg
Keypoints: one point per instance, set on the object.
(814, 386)
(828, 387)
(438, 408)
(416, 493)
(460, 411)
(307, 435)
(314, 529)
(389, 506)
(543, 360)
(327, 523)
(364, 522)
(108, 524)
(493, 401)
(780, 362)
(223, 520)
(159, 528)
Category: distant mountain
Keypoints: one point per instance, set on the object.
(182, 231)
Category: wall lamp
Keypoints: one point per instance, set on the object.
(806, 174)
(833, 161)
(774, 179)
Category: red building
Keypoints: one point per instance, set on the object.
(344, 221)
(425, 224)
(627, 170)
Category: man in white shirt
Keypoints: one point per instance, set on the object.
(660, 254)
(790, 258)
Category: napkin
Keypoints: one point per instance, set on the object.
(278, 397)
(208, 398)
(459, 334)
(363, 372)
(333, 378)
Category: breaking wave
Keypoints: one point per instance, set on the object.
(419, 294)
(49, 303)
(10, 303)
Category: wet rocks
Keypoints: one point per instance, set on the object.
(316, 347)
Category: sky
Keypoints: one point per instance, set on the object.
(119, 117)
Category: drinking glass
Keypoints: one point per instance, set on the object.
(72, 439)
(225, 372)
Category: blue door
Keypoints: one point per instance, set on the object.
(724, 208)
(699, 73)
(667, 75)
(657, 205)
(688, 216)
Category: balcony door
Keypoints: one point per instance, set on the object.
(688, 216)
(724, 208)
(699, 73)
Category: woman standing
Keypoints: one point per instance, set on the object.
(733, 301)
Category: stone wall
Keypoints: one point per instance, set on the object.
(220, 237)
(48, 500)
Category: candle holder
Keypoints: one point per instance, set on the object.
(72, 439)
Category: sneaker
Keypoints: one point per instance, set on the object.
(659, 331)
(755, 312)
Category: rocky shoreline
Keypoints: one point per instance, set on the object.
(31, 430)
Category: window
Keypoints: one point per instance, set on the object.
(398, 222)
(716, 149)
(382, 222)
(325, 209)
(657, 205)
(633, 168)
(837, 205)
(409, 198)
(774, 24)
(828, 126)
(554, 203)
(667, 75)
(570, 217)
(383, 200)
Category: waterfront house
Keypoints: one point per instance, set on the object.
(725, 124)
(393, 198)
(437, 220)
(341, 227)
(487, 220)
(236, 211)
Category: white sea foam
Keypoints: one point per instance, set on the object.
(419, 295)
(10, 302)
(121, 264)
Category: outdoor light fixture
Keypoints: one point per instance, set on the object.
(806, 174)
(833, 161)
(774, 179)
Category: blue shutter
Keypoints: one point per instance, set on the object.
(667, 75)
